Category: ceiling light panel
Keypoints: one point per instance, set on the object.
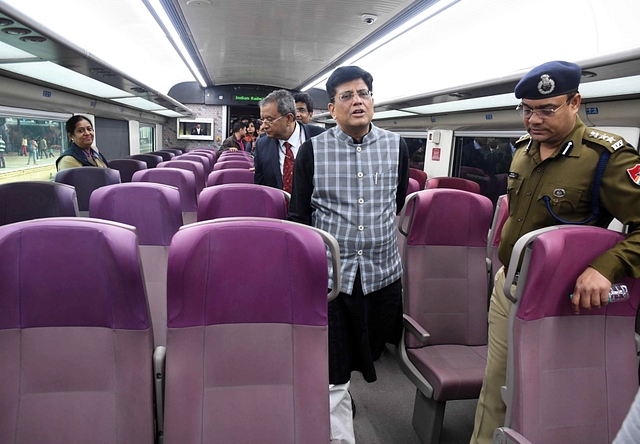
(169, 113)
(499, 101)
(140, 103)
(140, 49)
(8, 52)
(57, 75)
(390, 114)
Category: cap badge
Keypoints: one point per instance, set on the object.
(634, 173)
(559, 192)
(546, 84)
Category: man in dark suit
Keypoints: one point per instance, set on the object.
(276, 153)
(198, 131)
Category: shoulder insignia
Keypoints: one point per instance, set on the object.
(526, 139)
(611, 142)
(634, 173)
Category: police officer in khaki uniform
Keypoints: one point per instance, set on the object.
(562, 172)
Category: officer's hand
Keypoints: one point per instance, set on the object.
(591, 291)
(233, 150)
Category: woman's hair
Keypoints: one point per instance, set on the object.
(70, 126)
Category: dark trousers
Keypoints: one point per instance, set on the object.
(359, 328)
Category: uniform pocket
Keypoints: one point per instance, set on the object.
(565, 202)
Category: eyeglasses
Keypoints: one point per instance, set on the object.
(543, 113)
(344, 97)
(270, 121)
(302, 110)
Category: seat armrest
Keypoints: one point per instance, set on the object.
(504, 435)
(159, 358)
(415, 329)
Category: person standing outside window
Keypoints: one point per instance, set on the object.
(351, 181)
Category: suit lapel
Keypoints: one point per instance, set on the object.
(275, 161)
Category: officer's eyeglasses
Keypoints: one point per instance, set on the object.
(543, 113)
(345, 97)
(270, 121)
(302, 111)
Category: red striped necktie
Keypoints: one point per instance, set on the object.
(287, 169)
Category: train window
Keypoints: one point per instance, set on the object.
(31, 147)
(484, 160)
(417, 148)
(147, 138)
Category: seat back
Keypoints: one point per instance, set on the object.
(453, 183)
(127, 167)
(211, 155)
(175, 151)
(154, 209)
(247, 354)
(570, 378)
(234, 155)
(241, 200)
(183, 180)
(152, 160)
(420, 176)
(222, 164)
(196, 168)
(166, 155)
(445, 265)
(75, 334)
(231, 175)
(204, 160)
(85, 180)
(20, 201)
(500, 216)
(413, 187)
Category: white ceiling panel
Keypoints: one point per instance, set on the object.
(279, 42)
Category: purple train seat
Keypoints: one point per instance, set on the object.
(231, 175)
(86, 180)
(247, 352)
(453, 183)
(154, 209)
(445, 284)
(183, 180)
(227, 155)
(174, 151)
(420, 176)
(570, 378)
(75, 335)
(152, 160)
(500, 216)
(197, 168)
(166, 155)
(223, 164)
(127, 167)
(20, 201)
(241, 199)
(209, 154)
(204, 160)
(414, 186)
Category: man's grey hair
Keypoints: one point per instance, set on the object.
(283, 100)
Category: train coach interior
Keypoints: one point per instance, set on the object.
(146, 72)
